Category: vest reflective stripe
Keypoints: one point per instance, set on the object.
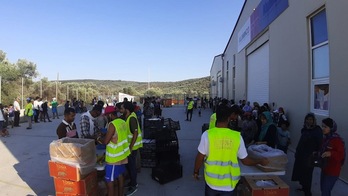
(220, 163)
(139, 141)
(221, 166)
(118, 154)
(221, 177)
(119, 151)
(212, 121)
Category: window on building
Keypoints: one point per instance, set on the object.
(320, 63)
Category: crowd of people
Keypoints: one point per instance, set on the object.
(119, 129)
(319, 146)
(36, 110)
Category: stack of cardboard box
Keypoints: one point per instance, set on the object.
(72, 166)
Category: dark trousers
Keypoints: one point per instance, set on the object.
(36, 116)
(16, 118)
(132, 167)
(306, 181)
(327, 183)
(189, 113)
(44, 115)
(211, 192)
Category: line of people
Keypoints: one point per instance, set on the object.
(319, 146)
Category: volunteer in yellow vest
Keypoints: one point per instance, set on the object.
(117, 151)
(189, 109)
(135, 142)
(29, 112)
(219, 149)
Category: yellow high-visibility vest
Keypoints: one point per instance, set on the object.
(116, 152)
(190, 105)
(221, 166)
(139, 142)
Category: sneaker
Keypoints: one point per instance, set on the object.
(129, 185)
(131, 190)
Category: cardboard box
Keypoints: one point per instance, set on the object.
(82, 187)
(72, 151)
(93, 192)
(264, 186)
(68, 172)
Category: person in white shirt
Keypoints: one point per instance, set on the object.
(17, 111)
(36, 109)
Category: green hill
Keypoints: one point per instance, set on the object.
(107, 88)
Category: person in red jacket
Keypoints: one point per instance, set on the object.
(333, 149)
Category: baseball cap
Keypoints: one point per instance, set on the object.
(109, 109)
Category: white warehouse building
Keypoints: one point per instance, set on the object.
(291, 54)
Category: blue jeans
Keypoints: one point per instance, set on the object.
(327, 183)
(132, 167)
(211, 192)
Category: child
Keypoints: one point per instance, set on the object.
(283, 136)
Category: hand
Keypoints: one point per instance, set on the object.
(195, 176)
(326, 154)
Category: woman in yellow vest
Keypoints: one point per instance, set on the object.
(117, 151)
(219, 149)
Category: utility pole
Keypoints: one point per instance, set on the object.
(22, 91)
(57, 86)
(40, 88)
(67, 92)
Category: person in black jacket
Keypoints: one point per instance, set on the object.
(44, 107)
(310, 141)
(268, 131)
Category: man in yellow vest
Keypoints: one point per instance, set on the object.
(117, 151)
(189, 110)
(135, 142)
(219, 149)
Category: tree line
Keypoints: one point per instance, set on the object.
(13, 75)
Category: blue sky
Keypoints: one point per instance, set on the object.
(135, 40)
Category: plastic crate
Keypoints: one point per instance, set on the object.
(167, 141)
(174, 125)
(150, 132)
(148, 145)
(148, 163)
(153, 123)
(167, 172)
(168, 157)
(171, 124)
